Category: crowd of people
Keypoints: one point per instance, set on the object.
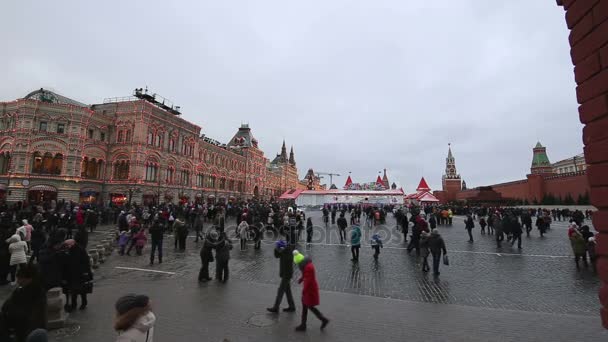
(42, 247)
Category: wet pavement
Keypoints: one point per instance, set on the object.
(485, 293)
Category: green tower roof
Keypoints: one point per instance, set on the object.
(540, 158)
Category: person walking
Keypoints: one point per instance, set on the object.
(283, 251)
(469, 224)
(376, 243)
(498, 228)
(355, 243)
(156, 234)
(181, 230)
(134, 320)
(309, 230)
(437, 247)
(425, 251)
(310, 290)
(222, 256)
(17, 249)
(198, 227)
(342, 224)
(579, 247)
(516, 231)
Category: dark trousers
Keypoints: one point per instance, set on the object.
(333, 219)
(414, 243)
(425, 264)
(221, 270)
(436, 261)
(198, 235)
(342, 234)
(584, 257)
(257, 244)
(309, 236)
(355, 252)
(470, 232)
(182, 242)
(528, 228)
(74, 299)
(13, 270)
(131, 245)
(314, 311)
(284, 288)
(156, 244)
(376, 251)
(203, 274)
(499, 238)
(243, 244)
(518, 238)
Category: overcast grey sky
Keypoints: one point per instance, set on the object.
(354, 85)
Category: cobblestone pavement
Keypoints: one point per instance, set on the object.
(536, 289)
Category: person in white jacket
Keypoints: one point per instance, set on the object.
(243, 230)
(134, 319)
(17, 249)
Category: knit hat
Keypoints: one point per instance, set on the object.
(131, 301)
(297, 257)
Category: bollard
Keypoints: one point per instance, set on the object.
(101, 251)
(55, 313)
(95, 257)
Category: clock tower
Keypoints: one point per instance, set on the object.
(451, 181)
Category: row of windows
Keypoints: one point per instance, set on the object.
(124, 135)
(157, 140)
(571, 169)
(184, 178)
(60, 129)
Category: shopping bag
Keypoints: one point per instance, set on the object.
(446, 261)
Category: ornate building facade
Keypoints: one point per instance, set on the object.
(127, 149)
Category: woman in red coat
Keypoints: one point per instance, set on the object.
(310, 290)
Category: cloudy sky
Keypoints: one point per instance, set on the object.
(353, 85)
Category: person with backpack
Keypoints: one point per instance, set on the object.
(355, 241)
(376, 243)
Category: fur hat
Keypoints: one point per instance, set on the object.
(131, 301)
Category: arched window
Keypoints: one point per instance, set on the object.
(128, 136)
(150, 137)
(185, 177)
(172, 145)
(91, 168)
(151, 172)
(57, 164)
(120, 136)
(121, 170)
(159, 140)
(5, 161)
(170, 174)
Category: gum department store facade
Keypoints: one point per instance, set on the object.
(135, 148)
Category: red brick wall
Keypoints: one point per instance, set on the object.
(562, 186)
(515, 190)
(588, 21)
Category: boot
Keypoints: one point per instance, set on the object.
(301, 328)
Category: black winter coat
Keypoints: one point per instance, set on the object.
(25, 310)
(285, 263)
(51, 262)
(77, 270)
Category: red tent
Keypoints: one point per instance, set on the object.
(422, 186)
(380, 182)
(348, 182)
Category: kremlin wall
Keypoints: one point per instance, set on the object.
(543, 183)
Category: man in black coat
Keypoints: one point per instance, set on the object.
(156, 233)
(207, 255)
(342, 224)
(283, 251)
(25, 310)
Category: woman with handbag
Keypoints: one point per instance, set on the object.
(78, 276)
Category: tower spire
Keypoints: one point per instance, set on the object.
(284, 152)
(292, 159)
